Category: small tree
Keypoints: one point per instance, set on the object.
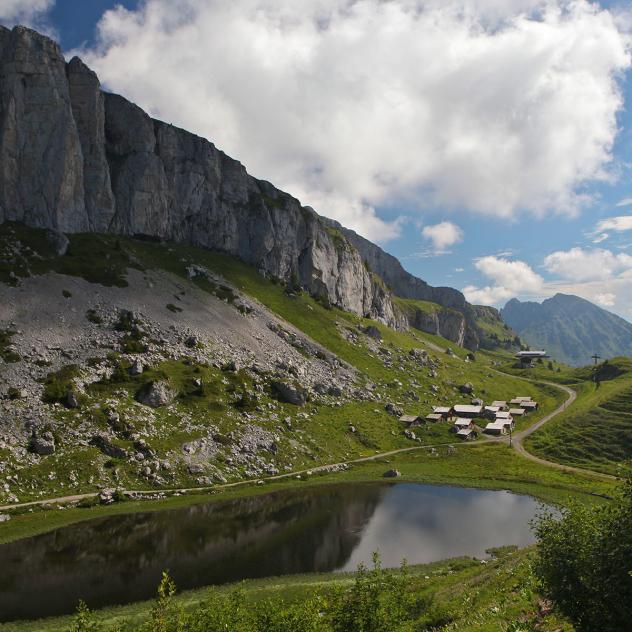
(84, 620)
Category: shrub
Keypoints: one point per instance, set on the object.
(93, 317)
(59, 383)
(585, 563)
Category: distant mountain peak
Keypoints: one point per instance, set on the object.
(570, 328)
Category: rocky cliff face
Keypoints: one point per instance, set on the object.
(75, 159)
(459, 327)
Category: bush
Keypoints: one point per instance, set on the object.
(379, 600)
(585, 563)
(58, 384)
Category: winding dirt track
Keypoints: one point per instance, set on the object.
(516, 442)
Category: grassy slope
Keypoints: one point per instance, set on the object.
(596, 432)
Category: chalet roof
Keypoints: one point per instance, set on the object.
(465, 432)
(493, 409)
(529, 404)
(463, 422)
(409, 418)
(433, 416)
(495, 425)
(467, 408)
(503, 415)
(516, 412)
(442, 409)
(500, 403)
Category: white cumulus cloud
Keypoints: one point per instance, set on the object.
(27, 12)
(443, 235)
(625, 202)
(509, 279)
(493, 106)
(606, 299)
(579, 264)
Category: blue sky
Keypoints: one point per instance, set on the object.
(488, 170)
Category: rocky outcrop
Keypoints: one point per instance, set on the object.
(73, 158)
(41, 162)
(156, 394)
(447, 323)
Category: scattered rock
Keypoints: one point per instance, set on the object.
(373, 332)
(71, 400)
(393, 409)
(43, 444)
(57, 241)
(392, 474)
(5, 518)
(156, 394)
(191, 342)
(288, 393)
(103, 443)
(467, 388)
(137, 368)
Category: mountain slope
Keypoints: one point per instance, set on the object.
(77, 159)
(570, 328)
(128, 363)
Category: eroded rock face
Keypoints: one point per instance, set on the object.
(41, 164)
(74, 159)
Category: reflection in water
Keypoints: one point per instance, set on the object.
(422, 524)
(119, 559)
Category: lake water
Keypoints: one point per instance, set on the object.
(119, 559)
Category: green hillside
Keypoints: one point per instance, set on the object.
(597, 432)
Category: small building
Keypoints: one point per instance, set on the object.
(496, 428)
(467, 434)
(468, 410)
(516, 412)
(500, 403)
(529, 406)
(411, 420)
(519, 401)
(526, 358)
(506, 419)
(444, 411)
(461, 423)
(434, 417)
(490, 411)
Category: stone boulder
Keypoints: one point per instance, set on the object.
(289, 393)
(372, 332)
(137, 368)
(392, 474)
(43, 444)
(467, 388)
(393, 409)
(156, 394)
(103, 443)
(57, 241)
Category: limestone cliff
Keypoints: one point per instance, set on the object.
(76, 159)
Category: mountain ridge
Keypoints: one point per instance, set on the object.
(78, 159)
(571, 328)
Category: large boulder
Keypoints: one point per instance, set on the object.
(43, 444)
(156, 394)
(103, 443)
(393, 409)
(289, 393)
(467, 388)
